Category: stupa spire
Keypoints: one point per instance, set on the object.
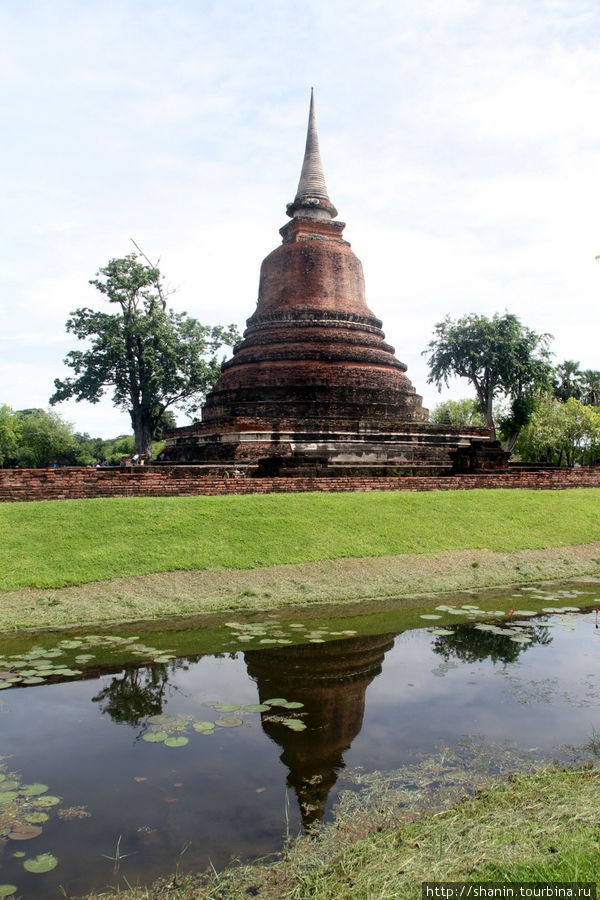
(312, 200)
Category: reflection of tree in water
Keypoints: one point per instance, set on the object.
(137, 692)
(330, 679)
(469, 644)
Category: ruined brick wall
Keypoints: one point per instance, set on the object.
(181, 481)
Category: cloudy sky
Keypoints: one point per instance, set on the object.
(460, 141)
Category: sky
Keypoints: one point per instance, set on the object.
(460, 141)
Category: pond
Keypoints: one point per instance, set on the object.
(125, 754)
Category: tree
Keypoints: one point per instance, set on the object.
(10, 433)
(499, 356)
(152, 357)
(561, 432)
(44, 437)
(458, 412)
(590, 387)
(567, 381)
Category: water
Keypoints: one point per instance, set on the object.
(373, 690)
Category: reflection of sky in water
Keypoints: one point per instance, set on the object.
(538, 701)
(226, 792)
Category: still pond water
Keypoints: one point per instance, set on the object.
(215, 740)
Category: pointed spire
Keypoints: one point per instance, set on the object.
(312, 200)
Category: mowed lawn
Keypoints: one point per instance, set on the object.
(57, 543)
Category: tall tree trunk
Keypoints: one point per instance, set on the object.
(142, 432)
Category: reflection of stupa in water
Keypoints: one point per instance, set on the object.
(330, 680)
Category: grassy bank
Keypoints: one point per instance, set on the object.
(541, 827)
(53, 544)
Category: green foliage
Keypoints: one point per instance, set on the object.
(43, 437)
(10, 432)
(152, 357)
(569, 381)
(561, 433)
(499, 356)
(458, 412)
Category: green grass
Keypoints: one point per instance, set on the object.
(58, 543)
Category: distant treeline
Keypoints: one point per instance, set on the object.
(38, 438)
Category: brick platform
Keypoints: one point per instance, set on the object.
(186, 481)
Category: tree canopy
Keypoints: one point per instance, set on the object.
(499, 356)
(152, 358)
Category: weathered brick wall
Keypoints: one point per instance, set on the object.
(165, 481)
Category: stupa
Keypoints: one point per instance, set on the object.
(313, 386)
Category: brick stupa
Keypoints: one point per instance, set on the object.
(313, 386)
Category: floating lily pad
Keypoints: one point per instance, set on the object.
(292, 704)
(45, 862)
(256, 707)
(70, 645)
(46, 801)
(226, 707)
(8, 796)
(203, 727)
(176, 741)
(33, 790)
(6, 890)
(524, 612)
(275, 701)
(36, 818)
(155, 737)
(23, 832)
(441, 631)
(317, 641)
(229, 721)
(294, 724)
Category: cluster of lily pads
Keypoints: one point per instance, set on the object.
(274, 633)
(515, 628)
(41, 664)
(172, 731)
(24, 808)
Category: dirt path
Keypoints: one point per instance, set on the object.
(342, 581)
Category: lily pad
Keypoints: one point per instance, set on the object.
(33, 790)
(294, 724)
(45, 862)
(23, 832)
(226, 707)
(430, 616)
(46, 801)
(36, 818)
(229, 721)
(6, 890)
(441, 631)
(292, 704)
(8, 796)
(155, 737)
(256, 707)
(203, 727)
(176, 741)
(275, 701)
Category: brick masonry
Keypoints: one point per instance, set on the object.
(184, 481)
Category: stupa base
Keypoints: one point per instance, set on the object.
(414, 449)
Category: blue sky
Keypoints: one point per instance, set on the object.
(460, 141)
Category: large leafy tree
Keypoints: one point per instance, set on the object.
(152, 357)
(499, 356)
(10, 432)
(561, 433)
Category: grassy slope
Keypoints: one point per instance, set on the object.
(73, 542)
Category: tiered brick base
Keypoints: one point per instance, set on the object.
(185, 481)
